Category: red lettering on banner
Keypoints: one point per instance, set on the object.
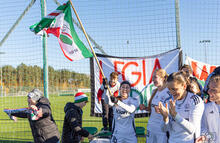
(156, 66)
(133, 73)
(116, 63)
(100, 74)
(138, 80)
(204, 73)
(144, 72)
(125, 66)
(194, 69)
(212, 68)
(116, 66)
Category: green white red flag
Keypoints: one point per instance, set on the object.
(59, 23)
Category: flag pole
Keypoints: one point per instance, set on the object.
(44, 46)
(87, 38)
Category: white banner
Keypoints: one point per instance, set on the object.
(138, 71)
(200, 70)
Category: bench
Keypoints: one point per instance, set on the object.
(91, 130)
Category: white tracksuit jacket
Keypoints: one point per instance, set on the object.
(211, 122)
(123, 127)
(186, 126)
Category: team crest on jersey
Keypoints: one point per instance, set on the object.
(211, 112)
(187, 106)
(210, 136)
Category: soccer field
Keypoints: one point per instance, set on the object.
(20, 132)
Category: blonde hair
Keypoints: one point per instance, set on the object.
(161, 73)
(113, 75)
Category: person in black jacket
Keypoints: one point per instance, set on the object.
(43, 126)
(72, 126)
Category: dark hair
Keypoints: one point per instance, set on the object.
(214, 78)
(125, 82)
(189, 72)
(179, 77)
(217, 70)
(206, 87)
(193, 80)
(185, 66)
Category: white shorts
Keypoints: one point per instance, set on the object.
(156, 138)
(124, 139)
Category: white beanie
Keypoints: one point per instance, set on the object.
(35, 94)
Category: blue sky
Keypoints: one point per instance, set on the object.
(122, 28)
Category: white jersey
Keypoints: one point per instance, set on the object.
(156, 120)
(186, 126)
(123, 120)
(112, 89)
(211, 122)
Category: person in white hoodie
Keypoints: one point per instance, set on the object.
(183, 118)
(210, 132)
(123, 127)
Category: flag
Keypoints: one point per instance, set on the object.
(59, 23)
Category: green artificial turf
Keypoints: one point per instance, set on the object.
(20, 132)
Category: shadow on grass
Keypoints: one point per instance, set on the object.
(14, 140)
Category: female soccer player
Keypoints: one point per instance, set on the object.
(123, 128)
(154, 131)
(194, 86)
(183, 119)
(211, 116)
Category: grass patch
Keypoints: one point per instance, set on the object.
(20, 132)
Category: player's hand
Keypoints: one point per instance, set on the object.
(200, 139)
(172, 108)
(40, 113)
(33, 107)
(114, 99)
(163, 111)
(82, 138)
(14, 118)
(90, 137)
(142, 107)
(157, 109)
(105, 83)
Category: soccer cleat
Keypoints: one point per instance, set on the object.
(105, 128)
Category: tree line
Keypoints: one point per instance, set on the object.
(32, 77)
